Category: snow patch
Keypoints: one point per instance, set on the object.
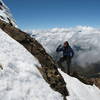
(78, 90)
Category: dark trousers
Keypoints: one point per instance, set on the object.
(68, 61)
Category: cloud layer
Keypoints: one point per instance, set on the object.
(84, 40)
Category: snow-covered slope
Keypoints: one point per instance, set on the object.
(84, 40)
(20, 79)
(80, 91)
(5, 14)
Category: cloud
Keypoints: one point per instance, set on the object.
(84, 40)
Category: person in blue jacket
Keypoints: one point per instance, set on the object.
(68, 54)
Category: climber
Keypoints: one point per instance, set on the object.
(68, 54)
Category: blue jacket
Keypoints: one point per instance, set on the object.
(68, 51)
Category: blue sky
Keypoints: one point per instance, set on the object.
(44, 14)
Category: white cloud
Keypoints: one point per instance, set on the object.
(85, 41)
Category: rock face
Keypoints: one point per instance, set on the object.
(96, 81)
(48, 70)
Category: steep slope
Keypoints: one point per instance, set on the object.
(48, 69)
(15, 69)
(77, 90)
(20, 79)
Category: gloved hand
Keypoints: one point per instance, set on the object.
(59, 46)
(57, 50)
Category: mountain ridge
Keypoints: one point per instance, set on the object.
(20, 78)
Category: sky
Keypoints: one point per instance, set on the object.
(45, 14)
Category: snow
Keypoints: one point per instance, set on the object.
(80, 91)
(20, 78)
(5, 14)
(84, 40)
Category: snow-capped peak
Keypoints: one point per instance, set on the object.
(5, 14)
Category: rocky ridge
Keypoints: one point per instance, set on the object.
(49, 70)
